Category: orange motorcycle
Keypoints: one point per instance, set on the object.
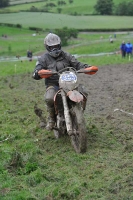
(69, 104)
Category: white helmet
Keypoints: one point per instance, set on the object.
(52, 43)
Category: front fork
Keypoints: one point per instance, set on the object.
(66, 113)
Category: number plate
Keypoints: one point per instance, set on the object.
(69, 77)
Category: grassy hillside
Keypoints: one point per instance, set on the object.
(18, 41)
(69, 8)
(52, 21)
(79, 7)
(12, 2)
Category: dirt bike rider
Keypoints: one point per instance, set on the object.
(54, 59)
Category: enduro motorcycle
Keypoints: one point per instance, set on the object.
(69, 104)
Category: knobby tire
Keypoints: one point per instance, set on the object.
(78, 137)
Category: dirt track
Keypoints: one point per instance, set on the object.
(112, 88)
(110, 96)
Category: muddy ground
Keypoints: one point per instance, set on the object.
(111, 98)
(110, 144)
(111, 88)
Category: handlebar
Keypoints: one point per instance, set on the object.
(47, 73)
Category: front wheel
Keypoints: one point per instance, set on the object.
(60, 129)
(78, 137)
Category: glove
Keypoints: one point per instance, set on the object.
(35, 75)
(44, 73)
(91, 70)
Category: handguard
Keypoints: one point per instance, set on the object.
(91, 70)
(44, 73)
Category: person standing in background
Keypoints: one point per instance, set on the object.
(129, 48)
(110, 39)
(29, 55)
(123, 49)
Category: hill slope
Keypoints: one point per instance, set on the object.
(52, 21)
(75, 7)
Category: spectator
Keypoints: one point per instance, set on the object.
(129, 48)
(123, 49)
(29, 55)
(110, 39)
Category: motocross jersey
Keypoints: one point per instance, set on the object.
(64, 60)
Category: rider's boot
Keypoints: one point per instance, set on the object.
(51, 118)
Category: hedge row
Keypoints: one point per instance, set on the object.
(35, 29)
(11, 25)
(105, 30)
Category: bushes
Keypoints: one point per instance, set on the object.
(35, 29)
(103, 7)
(65, 34)
(60, 3)
(34, 9)
(124, 8)
(4, 3)
(11, 25)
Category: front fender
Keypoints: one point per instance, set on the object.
(75, 96)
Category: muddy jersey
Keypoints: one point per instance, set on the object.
(64, 60)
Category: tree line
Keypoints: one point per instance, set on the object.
(4, 3)
(107, 7)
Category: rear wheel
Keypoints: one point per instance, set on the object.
(78, 137)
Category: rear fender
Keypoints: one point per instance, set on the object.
(75, 96)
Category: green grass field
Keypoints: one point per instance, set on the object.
(23, 67)
(12, 2)
(79, 7)
(18, 41)
(52, 21)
